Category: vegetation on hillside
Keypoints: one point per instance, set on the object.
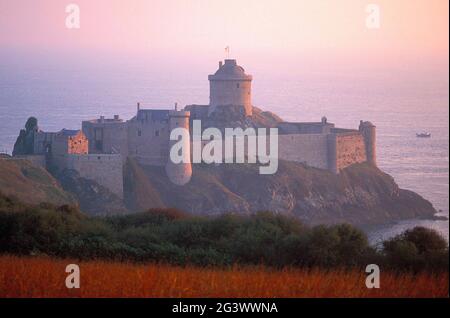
(170, 236)
(30, 183)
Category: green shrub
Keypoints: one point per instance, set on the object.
(171, 236)
(417, 249)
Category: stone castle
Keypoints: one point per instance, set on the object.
(99, 150)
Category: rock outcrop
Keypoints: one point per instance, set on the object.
(234, 116)
(361, 194)
(93, 198)
(25, 140)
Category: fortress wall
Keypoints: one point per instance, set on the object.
(291, 128)
(201, 145)
(106, 137)
(42, 140)
(311, 149)
(350, 149)
(115, 139)
(148, 142)
(106, 170)
(60, 145)
(197, 111)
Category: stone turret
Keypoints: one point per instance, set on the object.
(368, 130)
(230, 86)
(180, 173)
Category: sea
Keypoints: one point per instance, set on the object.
(399, 104)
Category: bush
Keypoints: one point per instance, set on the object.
(417, 249)
(174, 237)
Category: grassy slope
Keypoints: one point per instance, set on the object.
(31, 184)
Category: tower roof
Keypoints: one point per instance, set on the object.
(230, 71)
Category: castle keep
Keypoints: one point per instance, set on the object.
(230, 86)
(100, 149)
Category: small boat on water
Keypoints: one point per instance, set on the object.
(423, 135)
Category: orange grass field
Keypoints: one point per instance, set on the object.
(45, 277)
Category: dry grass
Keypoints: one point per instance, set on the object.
(45, 277)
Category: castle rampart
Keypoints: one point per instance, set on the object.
(311, 149)
(349, 149)
(105, 169)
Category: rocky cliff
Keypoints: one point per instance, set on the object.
(361, 194)
(93, 198)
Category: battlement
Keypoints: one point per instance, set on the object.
(103, 120)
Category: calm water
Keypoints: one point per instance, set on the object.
(400, 106)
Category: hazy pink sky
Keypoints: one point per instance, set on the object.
(295, 32)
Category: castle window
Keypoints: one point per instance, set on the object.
(139, 133)
(237, 85)
(156, 133)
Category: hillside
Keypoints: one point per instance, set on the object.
(361, 194)
(31, 184)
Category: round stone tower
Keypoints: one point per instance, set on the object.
(368, 130)
(230, 86)
(180, 173)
